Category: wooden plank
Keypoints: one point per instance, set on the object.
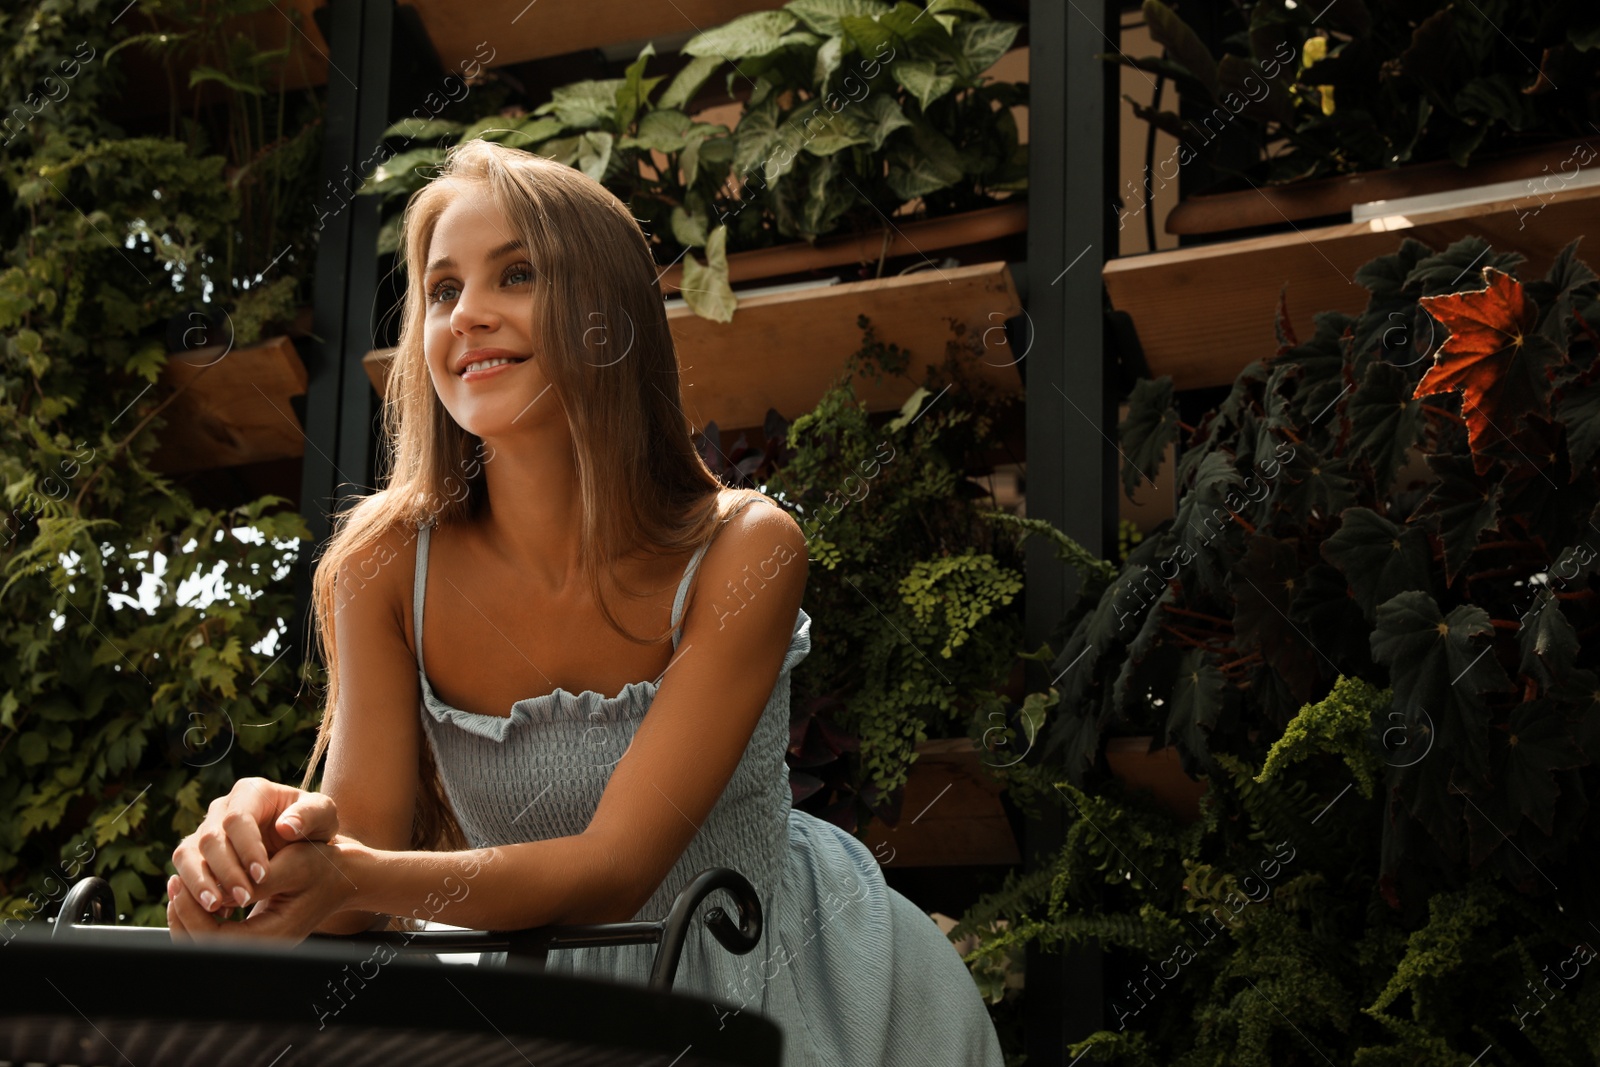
(234, 407)
(1205, 312)
(783, 350)
(519, 30)
(950, 814)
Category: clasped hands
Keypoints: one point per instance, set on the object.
(268, 846)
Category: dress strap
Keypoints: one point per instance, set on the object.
(419, 585)
(688, 573)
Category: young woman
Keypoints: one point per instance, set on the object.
(504, 749)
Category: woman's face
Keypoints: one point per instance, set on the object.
(479, 297)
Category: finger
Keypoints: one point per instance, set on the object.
(247, 849)
(190, 863)
(194, 920)
(312, 817)
(219, 847)
(266, 802)
(175, 925)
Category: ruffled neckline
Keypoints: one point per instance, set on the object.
(631, 702)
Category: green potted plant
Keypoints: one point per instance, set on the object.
(1363, 630)
(1350, 102)
(855, 112)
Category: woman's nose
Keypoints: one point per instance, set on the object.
(473, 309)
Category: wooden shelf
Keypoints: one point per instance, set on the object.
(234, 409)
(1205, 313)
(782, 350)
(520, 30)
(921, 238)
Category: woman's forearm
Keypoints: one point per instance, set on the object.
(561, 880)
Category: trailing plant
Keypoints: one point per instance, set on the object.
(913, 578)
(129, 696)
(1303, 90)
(856, 108)
(1363, 628)
(271, 139)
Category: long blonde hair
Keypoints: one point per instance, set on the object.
(643, 484)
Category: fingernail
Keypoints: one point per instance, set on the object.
(241, 894)
(294, 826)
(257, 872)
(208, 899)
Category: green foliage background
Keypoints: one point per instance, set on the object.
(117, 725)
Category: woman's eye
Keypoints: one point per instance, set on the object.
(522, 269)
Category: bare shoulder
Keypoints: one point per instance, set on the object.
(379, 574)
(761, 520)
(761, 547)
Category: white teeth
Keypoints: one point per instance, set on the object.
(487, 363)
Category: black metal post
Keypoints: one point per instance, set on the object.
(1071, 407)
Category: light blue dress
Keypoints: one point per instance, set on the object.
(851, 970)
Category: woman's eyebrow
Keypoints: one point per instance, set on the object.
(445, 261)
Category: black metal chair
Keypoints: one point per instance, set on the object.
(91, 902)
(93, 992)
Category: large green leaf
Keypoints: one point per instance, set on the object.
(1548, 641)
(883, 117)
(983, 43)
(1149, 428)
(1434, 667)
(1537, 744)
(1385, 422)
(1379, 558)
(581, 105)
(753, 34)
(1205, 525)
(921, 78)
(1196, 707)
(828, 133)
(823, 15)
(929, 163)
(1392, 321)
(1464, 504)
(705, 286)
(660, 130)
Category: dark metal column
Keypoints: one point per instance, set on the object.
(341, 23)
(1071, 410)
(358, 402)
(340, 403)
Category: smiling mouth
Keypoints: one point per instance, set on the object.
(488, 364)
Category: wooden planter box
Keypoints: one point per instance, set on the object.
(783, 350)
(1205, 312)
(910, 238)
(233, 407)
(1157, 772)
(951, 815)
(1274, 205)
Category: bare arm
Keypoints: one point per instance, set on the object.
(371, 770)
(681, 759)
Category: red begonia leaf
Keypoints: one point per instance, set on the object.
(1494, 357)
